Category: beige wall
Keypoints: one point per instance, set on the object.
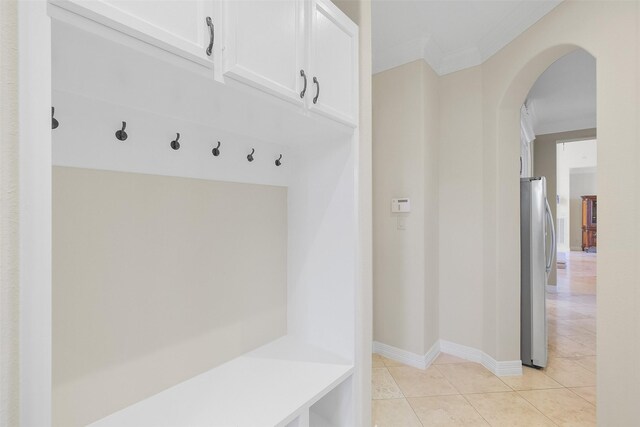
(9, 217)
(544, 164)
(461, 196)
(405, 127)
(582, 184)
(157, 279)
(479, 120)
(431, 93)
(608, 30)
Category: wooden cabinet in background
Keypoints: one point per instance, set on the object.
(589, 222)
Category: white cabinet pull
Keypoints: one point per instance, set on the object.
(211, 36)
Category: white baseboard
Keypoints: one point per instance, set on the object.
(462, 351)
(503, 368)
(407, 357)
(576, 248)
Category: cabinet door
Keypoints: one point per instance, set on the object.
(334, 63)
(178, 26)
(264, 45)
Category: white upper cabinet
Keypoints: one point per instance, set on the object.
(305, 51)
(264, 45)
(183, 27)
(302, 51)
(333, 63)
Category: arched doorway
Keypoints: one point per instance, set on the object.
(558, 143)
(608, 31)
(502, 224)
(507, 196)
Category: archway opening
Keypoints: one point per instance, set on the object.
(558, 219)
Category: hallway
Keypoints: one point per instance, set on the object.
(454, 392)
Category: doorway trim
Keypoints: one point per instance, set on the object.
(34, 118)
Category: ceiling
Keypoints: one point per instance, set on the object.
(448, 35)
(564, 96)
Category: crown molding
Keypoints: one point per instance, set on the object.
(425, 48)
(400, 54)
(460, 60)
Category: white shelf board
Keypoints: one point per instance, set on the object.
(269, 386)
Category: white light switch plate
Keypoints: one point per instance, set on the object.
(402, 223)
(401, 205)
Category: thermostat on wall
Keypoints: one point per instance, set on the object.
(400, 205)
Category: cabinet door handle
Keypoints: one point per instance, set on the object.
(304, 89)
(315, 98)
(211, 36)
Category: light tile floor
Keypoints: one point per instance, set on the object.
(455, 392)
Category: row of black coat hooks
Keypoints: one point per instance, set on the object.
(121, 135)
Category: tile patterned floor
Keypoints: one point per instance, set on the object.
(455, 392)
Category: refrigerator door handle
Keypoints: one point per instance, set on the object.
(552, 252)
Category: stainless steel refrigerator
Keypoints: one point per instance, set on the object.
(538, 247)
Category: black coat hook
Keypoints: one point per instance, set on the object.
(250, 156)
(278, 162)
(216, 151)
(121, 134)
(175, 144)
(54, 122)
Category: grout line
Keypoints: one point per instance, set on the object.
(488, 392)
(394, 382)
(448, 381)
(544, 388)
(572, 391)
(475, 409)
(536, 408)
(510, 388)
(431, 395)
(415, 413)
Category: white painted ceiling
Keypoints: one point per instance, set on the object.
(449, 35)
(564, 96)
